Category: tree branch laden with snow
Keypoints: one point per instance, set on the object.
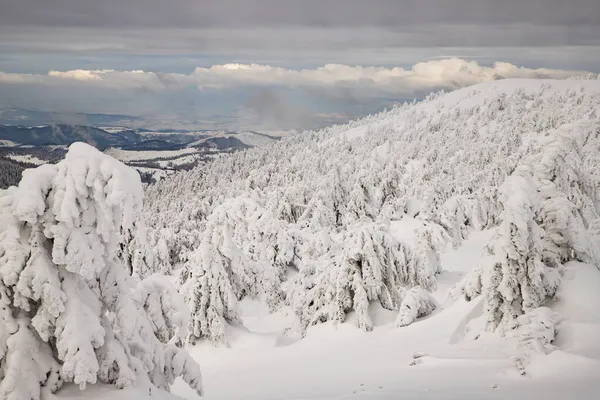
(70, 309)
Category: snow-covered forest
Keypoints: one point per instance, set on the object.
(100, 282)
(315, 222)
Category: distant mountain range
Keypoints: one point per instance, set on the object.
(154, 153)
(20, 116)
(129, 139)
(52, 135)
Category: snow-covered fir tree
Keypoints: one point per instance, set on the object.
(70, 311)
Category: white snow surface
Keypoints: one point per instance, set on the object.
(252, 139)
(7, 143)
(108, 392)
(141, 155)
(476, 95)
(342, 362)
(178, 161)
(113, 129)
(27, 158)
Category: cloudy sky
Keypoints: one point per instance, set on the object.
(277, 64)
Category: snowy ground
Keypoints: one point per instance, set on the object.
(156, 173)
(434, 358)
(142, 155)
(342, 362)
(27, 158)
(7, 143)
(252, 139)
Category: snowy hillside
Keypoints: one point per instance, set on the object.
(355, 225)
(446, 249)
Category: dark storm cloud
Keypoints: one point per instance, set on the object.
(192, 25)
(54, 53)
(330, 13)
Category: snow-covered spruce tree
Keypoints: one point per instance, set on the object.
(208, 287)
(549, 214)
(69, 309)
(240, 255)
(372, 265)
(518, 280)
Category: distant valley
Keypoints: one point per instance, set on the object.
(154, 153)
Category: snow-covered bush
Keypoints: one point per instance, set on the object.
(535, 332)
(417, 303)
(70, 311)
(370, 265)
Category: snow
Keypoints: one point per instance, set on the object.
(156, 173)
(457, 263)
(178, 161)
(69, 310)
(108, 392)
(406, 229)
(27, 158)
(473, 96)
(478, 94)
(113, 129)
(339, 362)
(440, 229)
(323, 202)
(579, 298)
(143, 155)
(497, 178)
(253, 139)
(7, 143)
(166, 133)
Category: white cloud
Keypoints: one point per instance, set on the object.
(80, 74)
(422, 77)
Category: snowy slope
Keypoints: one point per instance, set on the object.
(484, 198)
(461, 145)
(145, 155)
(254, 139)
(499, 178)
(26, 158)
(248, 138)
(341, 362)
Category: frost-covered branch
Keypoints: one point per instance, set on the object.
(70, 311)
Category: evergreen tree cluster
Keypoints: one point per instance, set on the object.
(313, 222)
